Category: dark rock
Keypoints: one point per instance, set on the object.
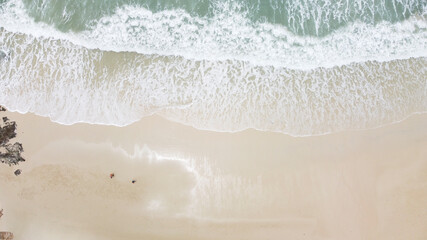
(2, 109)
(7, 132)
(17, 172)
(9, 153)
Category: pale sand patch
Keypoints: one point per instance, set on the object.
(193, 184)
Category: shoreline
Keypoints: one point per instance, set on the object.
(156, 115)
(195, 184)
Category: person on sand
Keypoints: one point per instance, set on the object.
(111, 175)
(133, 181)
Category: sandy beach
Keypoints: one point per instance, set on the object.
(213, 120)
(193, 184)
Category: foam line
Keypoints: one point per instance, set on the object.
(70, 83)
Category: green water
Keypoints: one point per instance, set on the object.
(302, 17)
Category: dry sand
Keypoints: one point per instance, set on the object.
(192, 184)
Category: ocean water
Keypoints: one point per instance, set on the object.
(301, 67)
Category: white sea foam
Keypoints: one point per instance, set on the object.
(70, 84)
(228, 36)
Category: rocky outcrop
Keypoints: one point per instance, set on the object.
(7, 131)
(9, 153)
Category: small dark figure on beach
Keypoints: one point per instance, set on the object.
(133, 181)
(18, 172)
(1, 213)
(111, 175)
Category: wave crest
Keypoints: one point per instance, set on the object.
(228, 36)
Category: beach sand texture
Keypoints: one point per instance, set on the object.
(213, 119)
(193, 184)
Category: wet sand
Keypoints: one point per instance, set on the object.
(193, 184)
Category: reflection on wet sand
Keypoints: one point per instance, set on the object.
(193, 184)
